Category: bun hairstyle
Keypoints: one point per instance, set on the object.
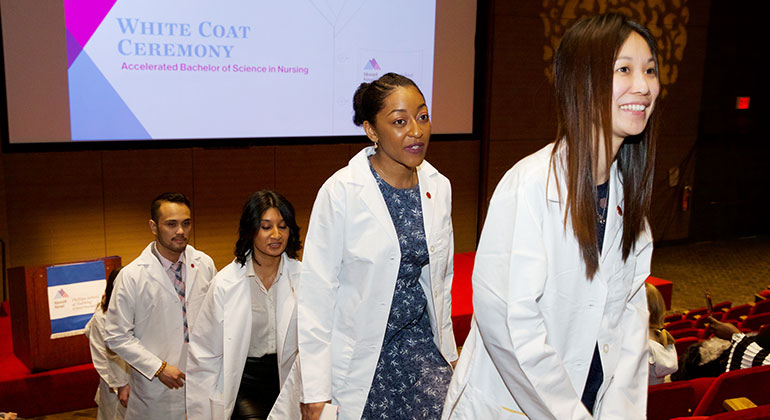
(370, 97)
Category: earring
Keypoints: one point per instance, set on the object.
(376, 145)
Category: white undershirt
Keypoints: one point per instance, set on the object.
(262, 313)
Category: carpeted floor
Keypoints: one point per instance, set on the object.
(731, 270)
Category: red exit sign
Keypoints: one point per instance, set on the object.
(742, 102)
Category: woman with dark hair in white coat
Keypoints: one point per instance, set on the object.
(560, 328)
(375, 333)
(114, 390)
(244, 342)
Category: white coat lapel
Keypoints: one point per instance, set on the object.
(284, 306)
(427, 198)
(192, 269)
(370, 192)
(156, 271)
(614, 228)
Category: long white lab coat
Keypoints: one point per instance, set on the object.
(112, 370)
(349, 272)
(220, 343)
(144, 327)
(537, 316)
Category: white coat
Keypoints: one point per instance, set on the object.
(144, 327)
(349, 272)
(220, 343)
(538, 318)
(112, 370)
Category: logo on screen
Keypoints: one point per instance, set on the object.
(61, 294)
(372, 65)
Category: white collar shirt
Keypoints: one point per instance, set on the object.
(263, 324)
(168, 264)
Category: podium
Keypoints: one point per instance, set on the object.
(31, 322)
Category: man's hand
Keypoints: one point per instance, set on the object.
(123, 394)
(172, 377)
(312, 411)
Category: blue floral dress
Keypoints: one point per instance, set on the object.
(412, 377)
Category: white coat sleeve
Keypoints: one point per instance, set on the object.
(626, 396)
(318, 285)
(111, 368)
(119, 328)
(448, 344)
(205, 361)
(509, 276)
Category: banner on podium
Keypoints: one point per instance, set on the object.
(74, 290)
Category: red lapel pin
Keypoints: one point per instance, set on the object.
(620, 211)
(427, 194)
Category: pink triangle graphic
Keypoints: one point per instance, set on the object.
(82, 17)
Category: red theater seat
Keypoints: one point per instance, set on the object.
(761, 412)
(736, 312)
(696, 313)
(680, 325)
(670, 400)
(702, 321)
(750, 383)
(682, 344)
(761, 307)
(687, 332)
(755, 322)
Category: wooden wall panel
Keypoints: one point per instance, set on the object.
(55, 207)
(521, 97)
(504, 154)
(459, 161)
(224, 179)
(132, 178)
(301, 170)
(3, 226)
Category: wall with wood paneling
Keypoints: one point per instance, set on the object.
(71, 206)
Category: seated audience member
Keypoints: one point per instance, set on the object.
(113, 392)
(245, 340)
(730, 349)
(746, 350)
(662, 356)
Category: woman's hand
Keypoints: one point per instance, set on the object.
(312, 411)
(723, 330)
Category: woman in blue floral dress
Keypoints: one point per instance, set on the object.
(374, 305)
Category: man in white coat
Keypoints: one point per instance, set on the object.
(154, 305)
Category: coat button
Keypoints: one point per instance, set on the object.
(432, 248)
(606, 348)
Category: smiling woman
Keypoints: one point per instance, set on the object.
(245, 329)
(374, 326)
(560, 326)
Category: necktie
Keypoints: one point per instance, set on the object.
(179, 286)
